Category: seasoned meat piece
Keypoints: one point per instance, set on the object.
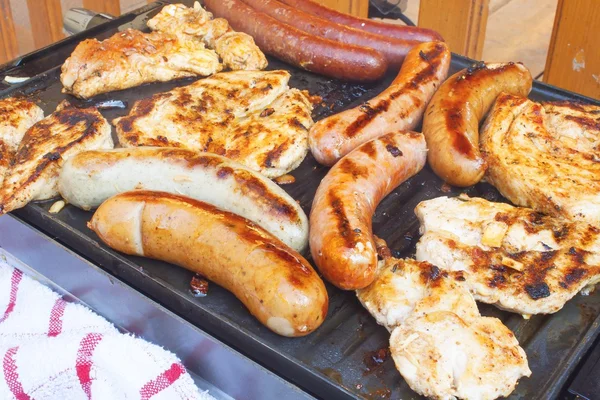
(545, 156)
(237, 50)
(64, 133)
(16, 116)
(131, 58)
(440, 344)
(512, 257)
(252, 117)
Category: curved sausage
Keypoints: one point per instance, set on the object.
(89, 178)
(274, 282)
(451, 122)
(399, 107)
(393, 49)
(309, 52)
(380, 28)
(341, 236)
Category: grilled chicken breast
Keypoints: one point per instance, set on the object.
(131, 58)
(64, 133)
(440, 343)
(250, 117)
(16, 116)
(512, 257)
(237, 50)
(545, 156)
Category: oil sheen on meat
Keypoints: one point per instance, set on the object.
(441, 345)
(512, 257)
(64, 133)
(251, 117)
(16, 116)
(545, 156)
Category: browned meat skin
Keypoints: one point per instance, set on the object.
(310, 52)
(440, 343)
(341, 237)
(237, 50)
(451, 121)
(277, 285)
(16, 116)
(512, 257)
(225, 114)
(131, 58)
(398, 108)
(545, 156)
(64, 133)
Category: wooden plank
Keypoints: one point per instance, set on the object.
(573, 61)
(45, 17)
(8, 38)
(112, 7)
(358, 8)
(462, 23)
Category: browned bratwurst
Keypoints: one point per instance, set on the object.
(341, 235)
(398, 108)
(312, 53)
(368, 25)
(451, 121)
(393, 49)
(275, 283)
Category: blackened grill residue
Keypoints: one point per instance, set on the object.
(538, 290)
(374, 359)
(393, 150)
(199, 286)
(53, 156)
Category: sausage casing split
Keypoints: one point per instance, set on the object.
(275, 283)
(451, 121)
(393, 49)
(89, 178)
(399, 107)
(341, 236)
(368, 25)
(310, 52)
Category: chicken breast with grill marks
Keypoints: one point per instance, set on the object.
(512, 257)
(64, 133)
(131, 58)
(236, 49)
(545, 156)
(16, 116)
(440, 343)
(253, 118)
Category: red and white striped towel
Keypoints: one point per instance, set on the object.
(52, 349)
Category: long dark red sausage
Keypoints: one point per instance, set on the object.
(393, 49)
(312, 53)
(380, 28)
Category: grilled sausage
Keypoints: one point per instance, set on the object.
(393, 49)
(368, 25)
(341, 236)
(399, 107)
(451, 121)
(312, 53)
(274, 282)
(91, 177)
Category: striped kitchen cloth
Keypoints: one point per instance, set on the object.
(53, 349)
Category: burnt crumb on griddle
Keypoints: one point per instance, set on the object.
(538, 290)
